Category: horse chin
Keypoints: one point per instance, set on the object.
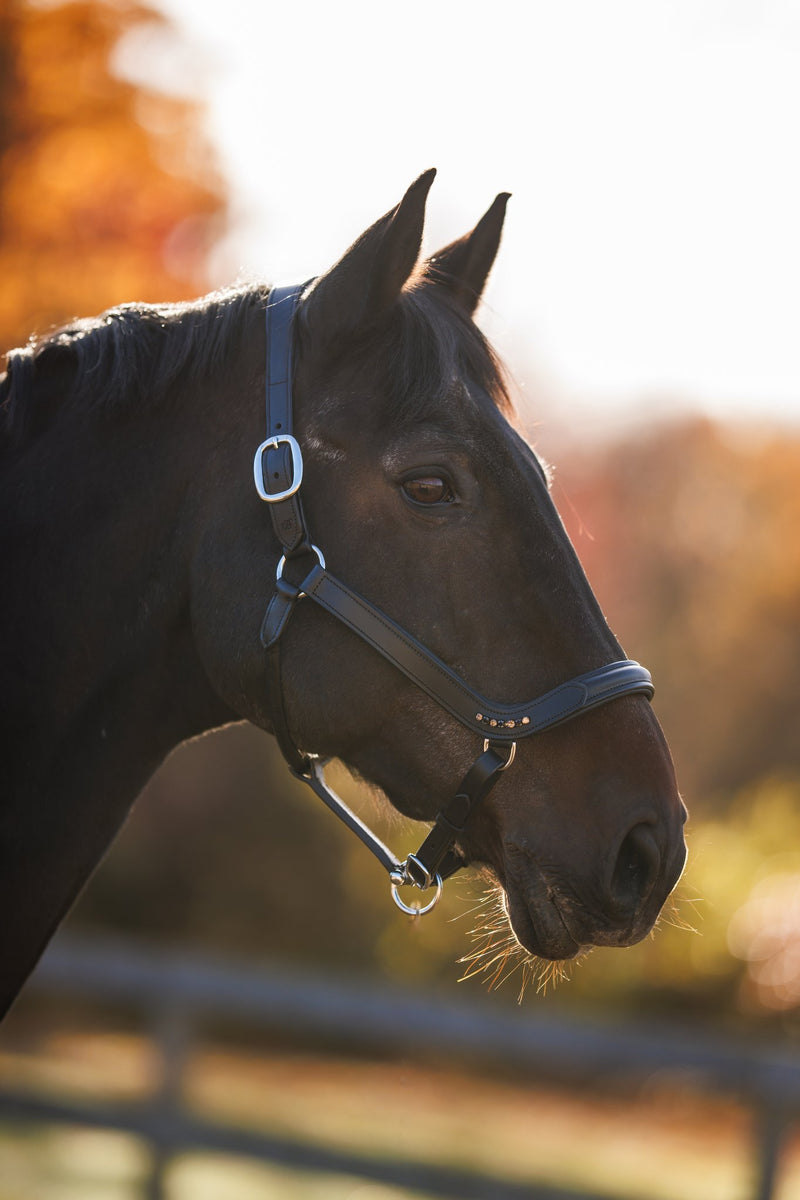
(540, 930)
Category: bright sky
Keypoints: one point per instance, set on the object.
(652, 252)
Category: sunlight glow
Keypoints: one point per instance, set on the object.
(652, 244)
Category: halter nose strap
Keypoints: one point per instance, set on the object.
(278, 475)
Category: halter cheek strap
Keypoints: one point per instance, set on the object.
(302, 571)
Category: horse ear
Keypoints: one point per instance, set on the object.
(362, 287)
(463, 267)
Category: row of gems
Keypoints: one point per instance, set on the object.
(507, 724)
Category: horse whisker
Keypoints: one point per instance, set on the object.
(498, 956)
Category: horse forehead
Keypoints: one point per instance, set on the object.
(501, 446)
(476, 417)
(480, 434)
(460, 417)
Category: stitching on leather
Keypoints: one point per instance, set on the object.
(607, 694)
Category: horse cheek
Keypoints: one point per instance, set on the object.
(228, 596)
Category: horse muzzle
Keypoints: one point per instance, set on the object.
(555, 912)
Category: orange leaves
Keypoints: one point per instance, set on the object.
(100, 201)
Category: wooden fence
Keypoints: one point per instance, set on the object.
(177, 995)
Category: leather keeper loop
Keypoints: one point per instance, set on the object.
(456, 814)
(279, 610)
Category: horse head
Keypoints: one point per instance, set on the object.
(426, 499)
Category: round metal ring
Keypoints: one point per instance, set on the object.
(417, 910)
(282, 562)
(509, 760)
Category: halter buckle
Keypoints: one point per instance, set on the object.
(272, 443)
(417, 873)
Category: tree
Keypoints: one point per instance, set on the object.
(108, 191)
(693, 552)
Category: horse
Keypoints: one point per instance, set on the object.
(138, 561)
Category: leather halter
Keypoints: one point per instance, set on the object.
(278, 474)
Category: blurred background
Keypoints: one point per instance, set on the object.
(646, 303)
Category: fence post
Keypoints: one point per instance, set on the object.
(171, 1037)
(772, 1123)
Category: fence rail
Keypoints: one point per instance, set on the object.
(178, 994)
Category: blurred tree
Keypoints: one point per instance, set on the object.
(689, 538)
(108, 191)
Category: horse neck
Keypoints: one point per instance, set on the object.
(101, 679)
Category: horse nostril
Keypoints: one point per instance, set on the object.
(635, 870)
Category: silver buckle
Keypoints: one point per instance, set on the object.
(414, 872)
(272, 443)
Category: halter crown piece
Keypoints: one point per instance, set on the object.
(278, 474)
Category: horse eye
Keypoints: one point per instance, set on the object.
(428, 489)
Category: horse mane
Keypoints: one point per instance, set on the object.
(133, 353)
(129, 354)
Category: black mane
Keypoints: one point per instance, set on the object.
(127, 355)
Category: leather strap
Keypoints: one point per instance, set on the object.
(277, 462)
(499, 722)
(279, 610)
(280, 310)
(299, 763)
(436, 856)
(278, 466)
(314, 777)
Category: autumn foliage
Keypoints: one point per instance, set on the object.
(108, 192)
(689, 537)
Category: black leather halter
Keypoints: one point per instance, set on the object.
(278, 473)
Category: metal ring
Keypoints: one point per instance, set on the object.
(415, 910)
(282, 562)
(509, 760)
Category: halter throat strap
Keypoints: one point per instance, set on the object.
(278, 475)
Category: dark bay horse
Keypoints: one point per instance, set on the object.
(138, 559)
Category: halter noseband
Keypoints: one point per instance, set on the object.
(278, 474)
